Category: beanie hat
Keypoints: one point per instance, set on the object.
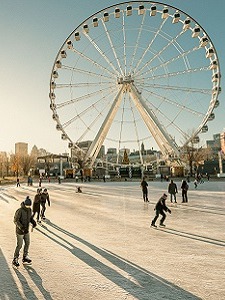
(164, 195)
(27, 201)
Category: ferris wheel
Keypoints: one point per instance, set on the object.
(131, 74)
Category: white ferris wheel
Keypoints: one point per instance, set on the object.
(133, 73)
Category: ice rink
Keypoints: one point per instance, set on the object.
(98, 244)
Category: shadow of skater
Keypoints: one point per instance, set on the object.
(8, 286)
(145, 283)
(38, 281)
(28, 292)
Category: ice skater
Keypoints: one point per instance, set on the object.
(36, 204)
(44, 198)
(184, 188)
(17, 182)
(22, 219)
(79, 190)
(160, 207)
(172, 190)
(144, 186)
(196, 183)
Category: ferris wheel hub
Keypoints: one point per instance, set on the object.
(125, 79)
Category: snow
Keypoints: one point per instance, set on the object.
(98, 244)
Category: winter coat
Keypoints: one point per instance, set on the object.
(37, 198)
(184, 185)
(45, 197)
(22, 219)
(37, 203)
(144, 185)
(172, 188)
(161, 205)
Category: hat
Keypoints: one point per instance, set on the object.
(27, 201)
(165, 195)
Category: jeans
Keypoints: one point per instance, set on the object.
(20, 238)
(43, 209)
(145, 195)
(184, 196)
(173, 196)
(157, 213)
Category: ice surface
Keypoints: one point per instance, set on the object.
(98, 244)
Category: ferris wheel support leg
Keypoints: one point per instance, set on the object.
(102, 133)
(160, 135)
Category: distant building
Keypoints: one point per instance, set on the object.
(222, 141)
(215, 144)
(34, 151)
(21, 149)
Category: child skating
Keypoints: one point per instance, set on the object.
(160, 207)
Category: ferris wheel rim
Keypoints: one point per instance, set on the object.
(212, 102)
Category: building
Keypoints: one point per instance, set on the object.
(21, 149)
(215, 144)
(222, 141)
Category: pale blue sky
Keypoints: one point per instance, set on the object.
(31, 34)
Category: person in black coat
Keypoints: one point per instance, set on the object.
(144, 186)
(44, 198)
(184, 188)
(160, 207)
(22, 219)
(36, 204)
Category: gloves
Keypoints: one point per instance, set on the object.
(26, 231)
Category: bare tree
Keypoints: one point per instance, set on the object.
(193, 156)
(26, 162)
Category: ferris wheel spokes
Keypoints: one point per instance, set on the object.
(162, 138)
(102, 133)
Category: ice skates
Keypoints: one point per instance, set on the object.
(153, 225)
(15, 263)
(26, 260)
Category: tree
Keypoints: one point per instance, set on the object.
(26, 162)
(194, 156)
(15, 164)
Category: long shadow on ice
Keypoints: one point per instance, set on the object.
(8, 286)
(139, 283)
(193, 236)
(38, 282)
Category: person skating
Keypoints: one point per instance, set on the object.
(44, 198)
(184, 188)
(160, 207)
(36, 204)
(17, 182)
(144, 186)
(172, 190)
(195, 183)
(22, 219)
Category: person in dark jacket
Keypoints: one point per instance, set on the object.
(184, 188)
(36, 204)
(22, 220)
(172, 190)
(144, 186)
(44, 198)
(160, 207)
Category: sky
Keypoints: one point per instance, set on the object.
(32, 33)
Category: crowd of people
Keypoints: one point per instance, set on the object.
(25, 215)
(161, 207)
